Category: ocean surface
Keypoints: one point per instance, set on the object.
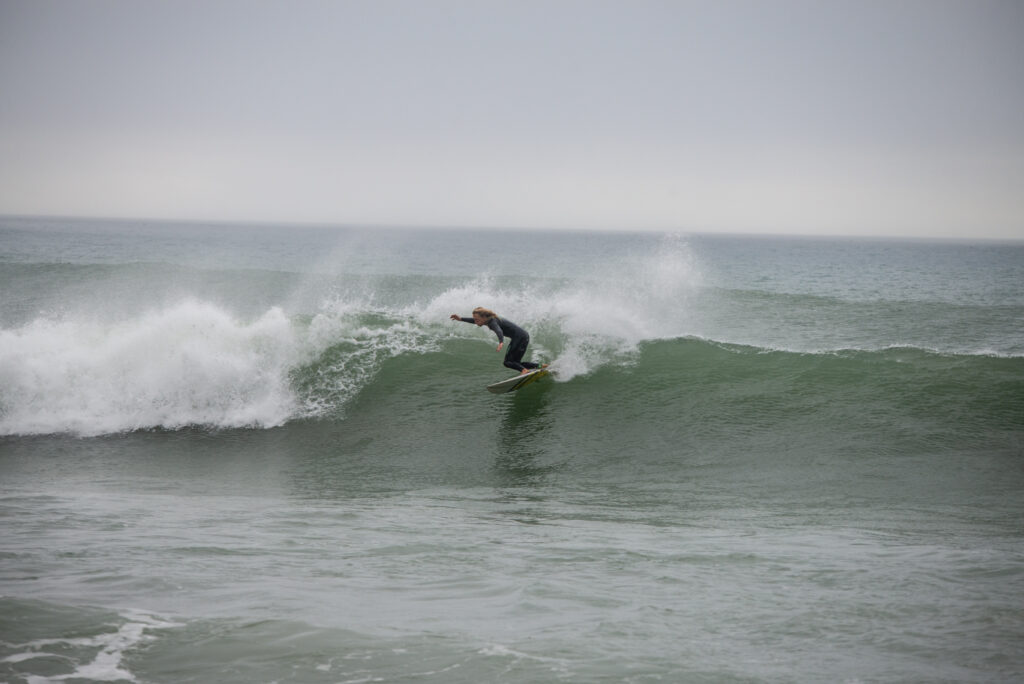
(253, 453)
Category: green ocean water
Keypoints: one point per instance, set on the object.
(264, 454)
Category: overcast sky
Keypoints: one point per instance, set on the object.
(896, 117)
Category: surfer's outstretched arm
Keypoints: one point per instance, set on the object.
(479, 320)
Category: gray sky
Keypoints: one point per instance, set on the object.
(901, 117)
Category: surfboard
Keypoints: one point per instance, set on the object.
(519, 381)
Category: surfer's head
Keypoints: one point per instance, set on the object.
(482, 315)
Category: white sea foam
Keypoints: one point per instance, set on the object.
(190, 364)
(107, 664)
(193, 364)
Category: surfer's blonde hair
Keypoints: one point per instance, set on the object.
(485, 314)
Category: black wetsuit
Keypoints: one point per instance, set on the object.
(518, 339)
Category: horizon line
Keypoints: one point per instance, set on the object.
(327, 225)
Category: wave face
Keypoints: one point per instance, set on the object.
(172, 341)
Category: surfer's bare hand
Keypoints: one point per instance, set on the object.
(455, 317)
(500, 345)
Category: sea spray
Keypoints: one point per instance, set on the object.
(583, 323)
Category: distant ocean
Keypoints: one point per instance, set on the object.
(252, 453)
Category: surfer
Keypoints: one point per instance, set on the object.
(518, 339)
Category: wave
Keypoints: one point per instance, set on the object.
(91, 349)
(197, 364)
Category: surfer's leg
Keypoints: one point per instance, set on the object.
(514, 355)
(529, 365)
